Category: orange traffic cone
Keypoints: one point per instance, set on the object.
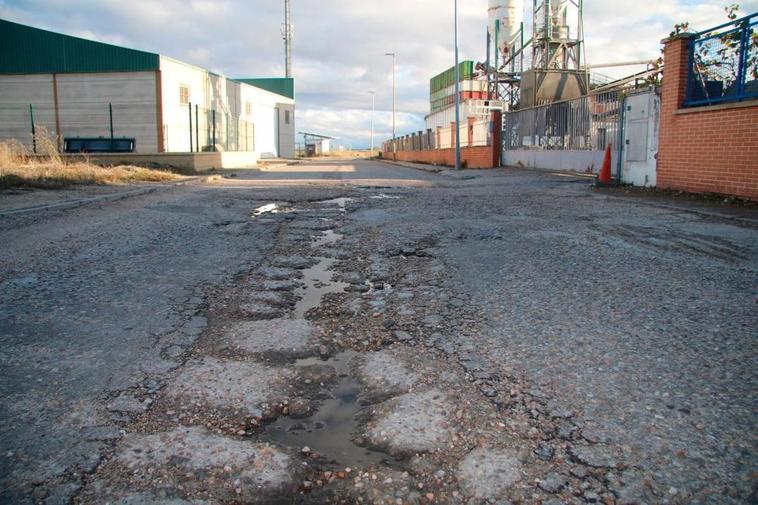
(604, 177)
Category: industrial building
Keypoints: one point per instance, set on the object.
(109, 98)
(316, 145)
(476, 101)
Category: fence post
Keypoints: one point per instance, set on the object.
(497, 138)
(110, 114)
(197, 129)
(190, 126)
(621, 141)
(744, 42)
(213, 137)
(34, 131)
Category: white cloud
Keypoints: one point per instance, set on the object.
(340, 44)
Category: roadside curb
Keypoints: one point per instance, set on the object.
(416, 166)
(72, 204)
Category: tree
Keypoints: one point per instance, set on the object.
(717, 58)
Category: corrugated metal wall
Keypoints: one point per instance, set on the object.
(27, 50)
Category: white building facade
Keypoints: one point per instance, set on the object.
(73, 88)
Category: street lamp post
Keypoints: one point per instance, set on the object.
(394, 67)
(373, 108)
(457, 95)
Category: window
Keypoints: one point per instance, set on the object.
(286, 117)
(248, 108)
(184, 94)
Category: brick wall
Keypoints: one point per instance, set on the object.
(471, 157)
(710, 149)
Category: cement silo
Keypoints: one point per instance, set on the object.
(557, 68)
(505, 18)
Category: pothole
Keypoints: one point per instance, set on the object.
(318, 282)
(340, 202)
(327, 237)
(373, 287)
(270, 208)
(383, 196)
(330, 431)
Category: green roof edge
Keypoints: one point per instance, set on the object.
(283, 86)
(29, 50)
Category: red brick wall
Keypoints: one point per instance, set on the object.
(473, 157)
(705, 149)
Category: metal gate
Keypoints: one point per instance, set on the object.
(640, 122)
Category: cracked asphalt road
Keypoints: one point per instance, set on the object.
(519, 337)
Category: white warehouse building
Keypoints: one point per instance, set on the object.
(79, 90)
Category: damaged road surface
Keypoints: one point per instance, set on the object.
(359, 332)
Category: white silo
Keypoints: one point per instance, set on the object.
(510, 14)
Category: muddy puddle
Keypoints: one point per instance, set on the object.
(317, 283)
(340, 202)
(331, 429)
(383, 196)
(328, 237)
(270, 208)
(317, 280)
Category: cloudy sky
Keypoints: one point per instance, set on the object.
(340, 44)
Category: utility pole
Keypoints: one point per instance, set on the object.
(287, 40)
(457, 95)
(394, 99)
(373, 107)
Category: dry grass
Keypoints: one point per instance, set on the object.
(49, 170)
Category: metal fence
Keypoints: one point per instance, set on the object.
(723, 63)
(587, 123)
(189, 128)
(208, 130)
(474, 134)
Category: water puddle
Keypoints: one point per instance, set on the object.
(382, 196)
(328, 237)
(318, 282)
(270, 208)
(330, 430)
(340, 202)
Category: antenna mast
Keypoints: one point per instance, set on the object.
(287, 39)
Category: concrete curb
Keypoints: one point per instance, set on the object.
(433, 169)
(72, 204)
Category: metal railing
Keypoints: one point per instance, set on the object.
(587, 123)
(723, 63)
(207, 129)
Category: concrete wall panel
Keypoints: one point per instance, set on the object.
(286, 130)
(83, 106)
(588, 162)
(176, 121)
(17, 92)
